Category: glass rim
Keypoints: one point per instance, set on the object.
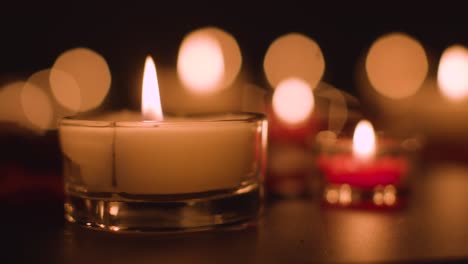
(210, 118)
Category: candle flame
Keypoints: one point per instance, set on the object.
(364, 140)
(452, 75)
(150, 99)
(293, 101)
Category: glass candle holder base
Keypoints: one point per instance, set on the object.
(381, 196)
(123, 212)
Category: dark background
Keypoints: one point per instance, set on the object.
(33, 35)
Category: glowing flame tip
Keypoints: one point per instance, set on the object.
(151, 101)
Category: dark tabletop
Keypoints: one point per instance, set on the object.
(431, 228)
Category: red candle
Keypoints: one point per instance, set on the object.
(292, 121)
(367, 165)
(346, 169)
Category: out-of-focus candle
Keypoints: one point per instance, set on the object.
(364, 166)
(292, 123)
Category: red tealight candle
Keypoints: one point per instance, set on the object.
(369, 166)
(346, 169)
(291, 122)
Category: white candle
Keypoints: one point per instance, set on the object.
(163, 155)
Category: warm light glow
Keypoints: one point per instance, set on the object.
(293, 101)
(209, 60)
(452, 75)
(378, 198)
(150, 99)
(332, 195)
(114, 210)
(36, 106)
(364, 140)
(90, 72)
(200, 63)
(396, 65)
(389, 196)
(346, 194)
(42, 78)
(294, 55)
(65, 89)
(10, 106)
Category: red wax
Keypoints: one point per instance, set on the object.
(347, 169)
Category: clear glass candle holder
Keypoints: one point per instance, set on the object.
(380, 181)
(181, 174)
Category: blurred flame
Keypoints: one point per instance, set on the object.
(452, 75)
(91, 73)
(293, 101)
(364, 140)
(378, 198)
(150, 99)
(296, 55)
(209, 60)
(396, 65)
(36, 106)
(114, 210)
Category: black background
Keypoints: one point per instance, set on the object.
(33, 35)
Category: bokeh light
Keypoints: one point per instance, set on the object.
(41, 79)
(209, 60)
(364, 140)
(10, 104)
(293, 101)
(65, 90)
(396, 65)
(452, 75)
(36, 106)
(294, 55)
(91, 73)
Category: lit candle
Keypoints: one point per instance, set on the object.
(370, 165)
(292, 122)
(151, 154)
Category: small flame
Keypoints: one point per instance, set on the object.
(364, 140)
(150, 99)
(452, 75)
(293, 101)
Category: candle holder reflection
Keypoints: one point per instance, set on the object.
(382, 179)
(183, 174)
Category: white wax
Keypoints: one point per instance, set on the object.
(185, 156)
(90, 151)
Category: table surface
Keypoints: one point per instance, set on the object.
(431, 228)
